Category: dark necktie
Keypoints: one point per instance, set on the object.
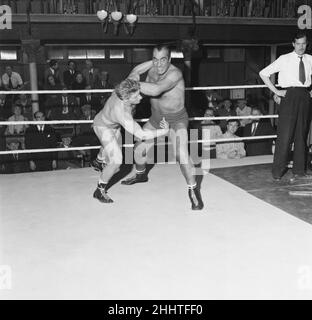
(10, 83)
(302, 76)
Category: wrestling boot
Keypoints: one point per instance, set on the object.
(138, 178)
(196, 200)
(101, 195)
(98, 165)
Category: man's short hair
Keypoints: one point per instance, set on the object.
(299, 35)
(36, 113)
(126, 88)
(257, 108)
(160, 47)
(233, 120)
(52, 63)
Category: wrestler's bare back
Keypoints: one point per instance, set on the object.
(173, 99)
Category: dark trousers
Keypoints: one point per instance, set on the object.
(293, 124)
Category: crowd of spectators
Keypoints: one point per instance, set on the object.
(84, 106)
(77, 106)
(233, 129)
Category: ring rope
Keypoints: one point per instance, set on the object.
(139, 120)
(15, 92)
(132, 145)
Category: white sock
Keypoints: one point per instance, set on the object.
(140, 171)
(102, 182)
(100, 160)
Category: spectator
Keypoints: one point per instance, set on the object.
(54, 71)
(103, 83)
(213, 99)
(258, 127)
(41, 136)
(14, 163)
(11, 80)
(16, 129)
(91, 99)
(85, 134)
(65, 108)
(91, 74)
(5, 107)
(225, 109)
(24, 102)
(79, 84)
(70, 74)
(210, 131)
(66, 159)
(230, 150)
(243, 110)
(51, 99)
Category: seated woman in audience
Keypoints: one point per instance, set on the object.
(25, 102)
(210, 131)
(16, 129)
(51, 99)
(225, 109)
(242, 110)
(79, 84)
(230, 149)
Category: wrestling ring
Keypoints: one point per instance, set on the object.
(57, 242)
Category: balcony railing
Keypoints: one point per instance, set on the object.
(212, 8)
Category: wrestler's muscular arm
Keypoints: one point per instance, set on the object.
(132, 127)
(140, 69)
(163, 85)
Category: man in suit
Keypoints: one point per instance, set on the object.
(91, 99)
(66, 108)
(14, 163)
(258, 127)
(103, 83)
(41, 136)
(91, 74)
(70, 74)
(84, 133)
(5, 107)
(54, 71)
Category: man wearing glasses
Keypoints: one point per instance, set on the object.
(165, 86)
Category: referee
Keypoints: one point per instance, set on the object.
(294, 77)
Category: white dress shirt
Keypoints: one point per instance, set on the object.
(287, 66)
(15, 79)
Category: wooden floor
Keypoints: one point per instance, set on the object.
(60, 243)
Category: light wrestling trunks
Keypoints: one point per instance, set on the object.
(173, 118)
